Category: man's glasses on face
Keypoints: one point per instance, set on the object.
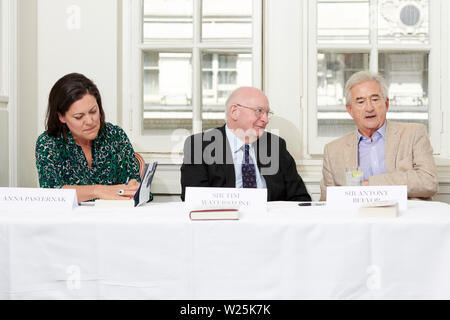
(375, 100)
(259, 112)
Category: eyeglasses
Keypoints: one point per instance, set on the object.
(375, 100)
(259, 112)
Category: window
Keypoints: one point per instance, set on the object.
(397, 38)
(222, 73)
(186, 57)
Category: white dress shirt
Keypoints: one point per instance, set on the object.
(237, 150)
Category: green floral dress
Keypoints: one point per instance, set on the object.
(62, 162)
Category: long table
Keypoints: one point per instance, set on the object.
(288, 252)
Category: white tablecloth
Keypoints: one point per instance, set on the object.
(290, 252)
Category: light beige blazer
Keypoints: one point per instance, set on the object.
(409, 161)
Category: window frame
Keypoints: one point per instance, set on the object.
(315, 143)
(132, 72)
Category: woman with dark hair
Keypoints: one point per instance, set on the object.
(79, 150)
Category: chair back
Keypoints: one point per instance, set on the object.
(141, 163)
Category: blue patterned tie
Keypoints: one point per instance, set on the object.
(248, 171)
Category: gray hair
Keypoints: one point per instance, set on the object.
(363, 76)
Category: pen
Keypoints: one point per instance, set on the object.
(314, 204)
(128, 179)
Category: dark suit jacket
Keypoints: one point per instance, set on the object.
(208, 162)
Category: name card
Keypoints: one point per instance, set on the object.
(38, 198)
(246, 199)
(355, 197)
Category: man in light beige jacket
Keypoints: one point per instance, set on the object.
(388, 153)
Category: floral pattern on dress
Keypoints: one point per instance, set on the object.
(62, 162)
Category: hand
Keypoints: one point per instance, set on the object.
(118, 191)
(130, 188)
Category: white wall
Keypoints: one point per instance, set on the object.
(27, 92)
(57, 37)
(8, 92)
(282, 70)
(78, 36)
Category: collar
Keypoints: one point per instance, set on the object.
(101, 135)
(381, 131)
(235, 143)
(70, 139)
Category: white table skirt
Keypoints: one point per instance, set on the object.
(290, 252)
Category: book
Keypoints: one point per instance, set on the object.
(214, 214)
(142, 195)
(114, 203)
(379, 209)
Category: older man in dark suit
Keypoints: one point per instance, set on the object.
(241, 154)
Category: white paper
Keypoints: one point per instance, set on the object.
(247, 199)
(38, 198)
(355, 197)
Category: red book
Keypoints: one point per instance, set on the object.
(214, 214)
